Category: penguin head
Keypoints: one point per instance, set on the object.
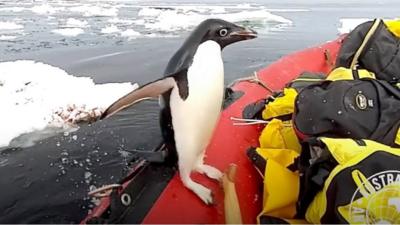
(220, 31)
(224, 32)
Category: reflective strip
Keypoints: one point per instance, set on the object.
(365, 188)
(365, 41)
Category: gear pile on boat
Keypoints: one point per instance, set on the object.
(330, 152)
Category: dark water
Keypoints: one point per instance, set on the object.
(49, 181)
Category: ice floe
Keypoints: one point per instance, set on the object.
(10, 26)
(69, 32)
(95, 11)
(7, 37)
(110, 29)
(44, 99)
(46, 9)
(130, 34)
(348, 24)
(72, 22)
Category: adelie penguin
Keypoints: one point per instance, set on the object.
(191, 97)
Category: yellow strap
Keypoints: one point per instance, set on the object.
(397, 139)
(366, 39)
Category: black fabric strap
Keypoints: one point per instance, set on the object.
(312, 176)
(356, 76)
(295, 165)
(360, 142)
(254, 110)
(320, 177)
(389, 87)
(264, 219)
(256, 159)
(285, 117)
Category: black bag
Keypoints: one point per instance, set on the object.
(361, 109)
(374, 47)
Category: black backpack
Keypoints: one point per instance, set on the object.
(372, 46)
(361, 109)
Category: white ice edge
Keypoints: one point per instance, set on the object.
(44, 99)
(348, 24)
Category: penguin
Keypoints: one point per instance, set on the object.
(191, 97)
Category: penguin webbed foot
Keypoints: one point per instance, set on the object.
(205, 194)
(209, 171)
(202, 192)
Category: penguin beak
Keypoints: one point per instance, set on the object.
(244, 32)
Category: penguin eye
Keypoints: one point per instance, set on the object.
(223, 32)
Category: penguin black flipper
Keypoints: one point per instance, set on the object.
(150, 90)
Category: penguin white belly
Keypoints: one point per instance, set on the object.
(194, 119)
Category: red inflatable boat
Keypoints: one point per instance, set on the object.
(155, 194)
